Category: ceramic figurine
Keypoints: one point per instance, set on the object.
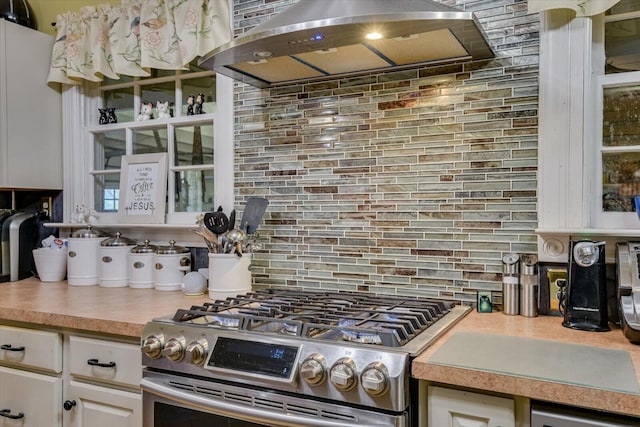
(197, 108)
(190, 102)
(92, 218)
(111, 115)
(77, 217)
(146, 111)
(162, 110)
(103, 120)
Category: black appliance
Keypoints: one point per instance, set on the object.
(18, 11)
(628, 294)
(19, 235)
(584, 299)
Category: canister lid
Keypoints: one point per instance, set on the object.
(171, 249)
(86, 233)
(117, 240)
(529, 265)
(146, 248)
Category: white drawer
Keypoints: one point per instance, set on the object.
(36, 399)
(105, 361)
(31, 348)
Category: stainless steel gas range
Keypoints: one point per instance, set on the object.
(283, 357)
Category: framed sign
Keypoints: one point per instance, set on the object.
(143, 189)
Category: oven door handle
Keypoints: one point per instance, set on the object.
(251, 414)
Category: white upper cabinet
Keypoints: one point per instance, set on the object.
(30, 111)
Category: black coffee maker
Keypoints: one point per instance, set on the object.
(584, 303)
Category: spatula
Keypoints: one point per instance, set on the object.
(252, 215)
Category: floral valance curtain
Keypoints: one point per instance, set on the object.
(582, 7)
(135, 36)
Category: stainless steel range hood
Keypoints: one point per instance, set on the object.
(319, 39)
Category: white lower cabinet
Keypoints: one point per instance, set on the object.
(52, 378)
(98, 406)
(104, 379)
(29, 399)
(30, 378)
(460, 408)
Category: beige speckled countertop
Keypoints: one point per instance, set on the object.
(124, 311)
(116, 311)
(540, 328)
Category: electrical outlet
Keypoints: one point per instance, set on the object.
(554, 276)
(45, 205)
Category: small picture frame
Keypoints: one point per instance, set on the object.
(484, 302)
(143, 189)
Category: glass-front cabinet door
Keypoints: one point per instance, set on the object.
(182, 122)
(618, 135)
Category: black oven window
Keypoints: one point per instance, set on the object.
(173, 416)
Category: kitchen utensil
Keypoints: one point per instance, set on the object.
(210, 239)
(217, 222)
(232, 220)
(113, 261)
(234, 241)
(82, 260)
(171, 264)
(252, 215)
(141, 265)
(585, 297)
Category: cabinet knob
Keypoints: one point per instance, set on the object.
(68, 404)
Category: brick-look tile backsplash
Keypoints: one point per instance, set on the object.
(413, 182)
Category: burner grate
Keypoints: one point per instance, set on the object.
(339, 316)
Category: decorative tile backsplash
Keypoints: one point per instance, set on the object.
(413, 182)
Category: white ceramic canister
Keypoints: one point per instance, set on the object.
(113, 261)
(170, 265)
(229, 275)
(141, 260)
(82, 257)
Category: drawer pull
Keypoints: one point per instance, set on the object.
(7, 414)
(68, 405)
(9, 347)
(95, 362)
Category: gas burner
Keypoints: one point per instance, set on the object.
(357, 317)
(357, 336)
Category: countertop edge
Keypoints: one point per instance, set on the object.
(77, 323)
(543, 327)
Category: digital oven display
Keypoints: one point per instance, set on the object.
(274, 360)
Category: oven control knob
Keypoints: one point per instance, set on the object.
(312, 369)
(152, 346)
(375, 379)
(343, 374)
(174, 349)
(197, 352)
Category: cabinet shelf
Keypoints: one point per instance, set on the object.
(124, 226)
(622, 232)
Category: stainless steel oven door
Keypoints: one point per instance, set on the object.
(173, 400)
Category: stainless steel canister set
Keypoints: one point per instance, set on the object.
(116, 261)
(520, 288)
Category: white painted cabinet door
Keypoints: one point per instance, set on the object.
(97, 406)
(30, 111)
(457, 408)
(29, 400)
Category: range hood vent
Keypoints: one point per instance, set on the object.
(319, 39)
